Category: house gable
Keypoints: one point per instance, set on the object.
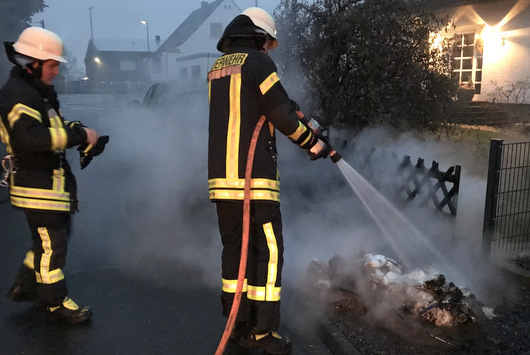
(190, 50)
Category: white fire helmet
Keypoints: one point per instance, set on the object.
(41, 44)
(263, 20)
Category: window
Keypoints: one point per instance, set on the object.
(183, 73)
(216, 30)
(467, 60)
(195, 71)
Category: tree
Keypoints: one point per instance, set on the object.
(367, 62)
(513, 92)
(14, 18)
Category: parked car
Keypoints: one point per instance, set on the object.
(161, 95)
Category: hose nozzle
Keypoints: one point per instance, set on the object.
(335, 157)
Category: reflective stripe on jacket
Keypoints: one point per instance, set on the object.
(243, 86)
(35, 133)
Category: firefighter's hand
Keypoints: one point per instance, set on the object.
(88, 151)
(91, 135)
(320, 149)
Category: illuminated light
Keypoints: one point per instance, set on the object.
(492, 37)
(97, 60)
(494, 43)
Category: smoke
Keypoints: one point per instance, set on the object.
(144, 202)
(324, 217)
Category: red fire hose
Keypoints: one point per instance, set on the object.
(244, 243)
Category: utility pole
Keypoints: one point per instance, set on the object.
(147, 30)
(91, 29)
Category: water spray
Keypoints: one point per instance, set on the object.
(395, 227)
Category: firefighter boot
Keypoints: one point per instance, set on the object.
(239, 328)
(269, 341)
(69, 312)
(25, 287)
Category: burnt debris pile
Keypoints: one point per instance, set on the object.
(416, 304)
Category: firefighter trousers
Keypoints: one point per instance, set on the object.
(260, 302)
(47, 256)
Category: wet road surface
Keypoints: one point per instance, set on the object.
(132, 312)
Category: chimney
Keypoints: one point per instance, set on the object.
(204, 4)
(157, 39)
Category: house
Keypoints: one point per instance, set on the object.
(492, 41)
(189, 52)
(118, 64)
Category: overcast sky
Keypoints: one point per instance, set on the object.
(120, 19)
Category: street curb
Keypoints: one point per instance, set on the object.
(336, 342)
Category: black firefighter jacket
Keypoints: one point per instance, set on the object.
(36, 135)
(243, 86)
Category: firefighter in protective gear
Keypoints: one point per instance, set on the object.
(41, 184)
(244, 86)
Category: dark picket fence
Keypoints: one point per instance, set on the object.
(412, 181)
(440, 187)
(507, 208)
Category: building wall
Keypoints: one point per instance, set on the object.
(504, 29)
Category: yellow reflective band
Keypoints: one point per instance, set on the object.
(268, 83)
(258, 293)
(59, 180)
(55, 276)
(230, 286)
(272, 268)
(58, 137)
(239, 195)
(234, 126)
(20, 109)
(240, 183)
(228, 189)
(4, 136)
(40, 204)
(42, 199)
(57, 132)
(299, 131)
(39, 193)
(29, 259)
(46, 255)
(55, 121)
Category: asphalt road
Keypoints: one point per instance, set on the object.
(133, 313)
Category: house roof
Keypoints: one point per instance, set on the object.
(189, 25)
(443, 4)
(124, 45)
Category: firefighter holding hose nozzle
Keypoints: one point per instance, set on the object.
(245, 90)
(38, 175)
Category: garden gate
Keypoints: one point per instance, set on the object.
(507, 209)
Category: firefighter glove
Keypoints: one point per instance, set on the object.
(320, 149)
(89, 151)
